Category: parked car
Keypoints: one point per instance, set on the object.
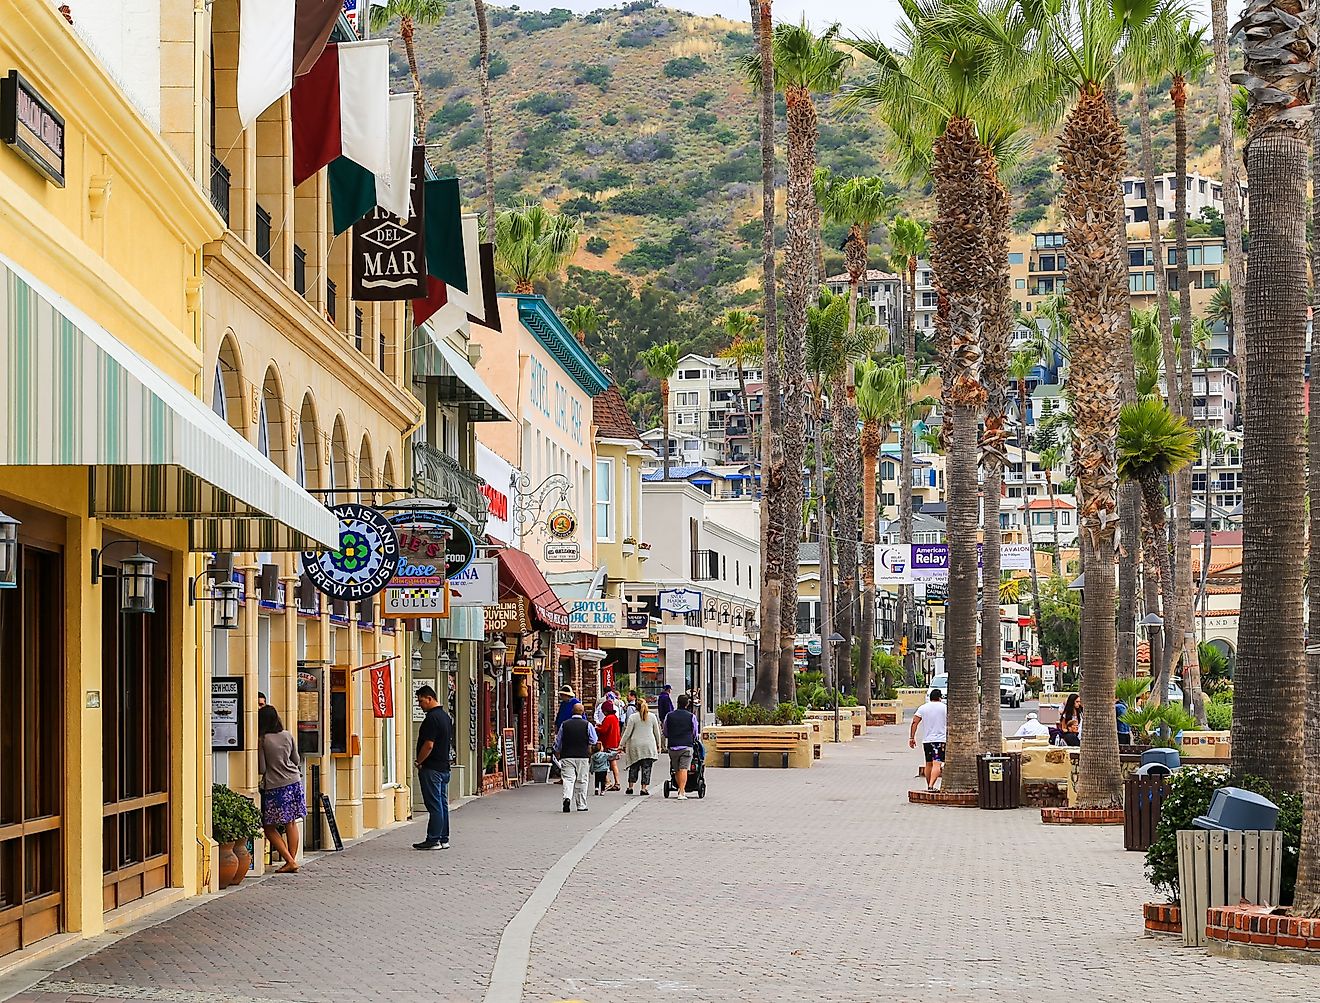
(1012, 689)
(941, 683)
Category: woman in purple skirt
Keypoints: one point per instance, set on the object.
(282, 800)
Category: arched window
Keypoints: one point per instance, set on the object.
(308, 466)
(227, 389)
(270, 420)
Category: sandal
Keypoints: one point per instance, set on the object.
(628, 791)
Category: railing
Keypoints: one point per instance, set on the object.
(705, 565)
(220, 188)
(439, 475)
(263, 234)
(331, 303)
(299, 270)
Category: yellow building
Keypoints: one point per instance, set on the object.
(114, 478)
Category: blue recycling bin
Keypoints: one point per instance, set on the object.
(1168, 758)
(1234, 808)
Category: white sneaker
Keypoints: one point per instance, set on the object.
(681, 797)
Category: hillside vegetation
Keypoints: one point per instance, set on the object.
(639, 120)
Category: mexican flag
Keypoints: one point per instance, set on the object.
(341, 108)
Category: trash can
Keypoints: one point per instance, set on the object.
(1143, 802)
(999, 781)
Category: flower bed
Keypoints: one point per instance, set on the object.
(962, 799)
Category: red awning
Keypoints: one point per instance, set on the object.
(1037, 662)
(519, 576)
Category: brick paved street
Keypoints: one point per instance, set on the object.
(812, 885)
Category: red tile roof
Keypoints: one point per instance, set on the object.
(1039, 503)
(610, 413)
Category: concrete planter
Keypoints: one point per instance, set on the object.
(858, 720)
(885, 712)
(1207, 744)
(911, 699)
(771, 740)
(1162, 919)
(826, 719)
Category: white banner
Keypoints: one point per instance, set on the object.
(1014, 557)
(499, 476)
(475, 585)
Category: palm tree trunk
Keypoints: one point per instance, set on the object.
(907, 593)
(870, 452)
(1150, 582)
(847, 474)
(1092, 163)
(1057, 562)
(799, 267)
(1271, 664)
(1031, 542)
(1153, 494)
(996, 327)
(828, 656)
(407, 29)
(1157, 244)
(1228, 170)
(487, 112)
(1306, 895)
(766, 692)
(1181, 627)
(959, 257)
(664, 420)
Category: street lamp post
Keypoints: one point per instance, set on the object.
(836, 639)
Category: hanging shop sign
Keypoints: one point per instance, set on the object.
(937, 593)
(509, 616)
(32, 127)
(931, 561)
(638, 623)
(475, 585)
(417, 602)
(603, 617)
(562, 524)
(365, 561)
(680, 601)
(433, 549)
(389, 254)
(381, 677)
(560, 552)
(227, 713)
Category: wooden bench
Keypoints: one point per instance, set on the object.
(791, 743)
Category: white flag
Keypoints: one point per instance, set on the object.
(393, 193)
(265, 55)
(364, 105)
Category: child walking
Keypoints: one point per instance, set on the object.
(600, 766)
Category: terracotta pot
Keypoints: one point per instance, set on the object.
(228, 865)
(244, 861)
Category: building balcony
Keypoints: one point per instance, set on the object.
(436, 474)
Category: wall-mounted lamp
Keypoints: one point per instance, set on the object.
(137, 576)
(495, 651)
(224, 599)
(8, 551)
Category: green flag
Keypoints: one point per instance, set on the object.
(444, 233)
(352, 192)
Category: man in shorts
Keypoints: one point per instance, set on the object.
(933, 716)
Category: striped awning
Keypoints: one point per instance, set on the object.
(434, 358)
(77, 396)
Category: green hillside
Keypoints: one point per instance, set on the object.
(639, 120)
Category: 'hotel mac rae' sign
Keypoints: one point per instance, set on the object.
(32, 127)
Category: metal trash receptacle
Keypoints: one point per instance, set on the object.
(999, 781)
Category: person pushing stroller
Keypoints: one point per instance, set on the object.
(683, 737)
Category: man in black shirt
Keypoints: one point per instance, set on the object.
(434, 740)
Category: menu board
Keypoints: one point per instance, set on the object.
(227, 713)
(510, 754)
(311, 716)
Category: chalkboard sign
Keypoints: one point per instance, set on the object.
(329, 810)
(510, 755)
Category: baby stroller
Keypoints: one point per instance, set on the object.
(696, 778)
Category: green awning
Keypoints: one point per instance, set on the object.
(77, 396)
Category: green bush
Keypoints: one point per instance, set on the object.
(702, 121)
(1219, 714)
(734, 713)
(234, 819)
(684, 67)
(544, 104)
(1159, 725)
(467, 136)
(498, 64)
(452, 114)
(1191, 790)
(597, 245)
(539, 21)
(594, 73)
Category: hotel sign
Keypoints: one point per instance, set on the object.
(32, 127)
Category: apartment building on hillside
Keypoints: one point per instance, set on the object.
(884, 291)
(1202, 193)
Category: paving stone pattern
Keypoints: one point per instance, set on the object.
(801, 885)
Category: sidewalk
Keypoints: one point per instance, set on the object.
(803, 886)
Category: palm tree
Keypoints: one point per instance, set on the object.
(1211, 441)
(660, 363)
(532, 244)
(1154, 444)
(1081, 44)
(1271, 667)
(1228, 171)
(745, 348)
(907, 236)
(805, 65)
(834, 346)
(861, 202)
(774, 497)
(881, 394)
(1020, 367)
(582, 320)
(1051, 458)
(946, 95)
(412, 14)
(487, 109)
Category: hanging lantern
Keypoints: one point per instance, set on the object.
(8, 551)
(224, 610)
(137, 580)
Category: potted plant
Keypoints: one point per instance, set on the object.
(643, 551)
(490, 756)
(234, 821)
(629, 546)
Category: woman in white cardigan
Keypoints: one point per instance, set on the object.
(641, 744)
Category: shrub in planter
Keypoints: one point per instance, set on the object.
(234, 818)
(1190, 791)
(734, 713)
(1159, 725)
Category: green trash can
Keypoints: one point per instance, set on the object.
(999, 781)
